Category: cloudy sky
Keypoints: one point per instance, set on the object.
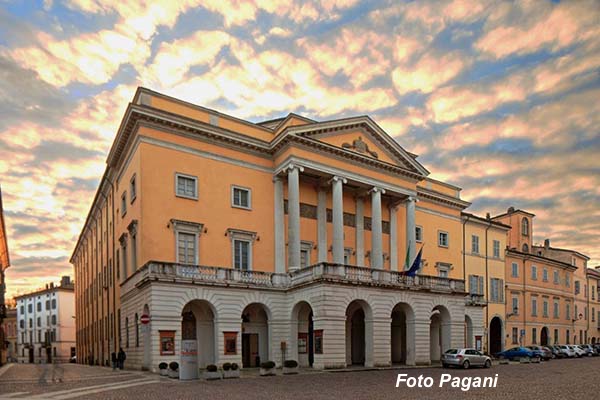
(500, 99)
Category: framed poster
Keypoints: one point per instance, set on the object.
(230, 343)
(319, 341)
(302, 342)
(167, 343)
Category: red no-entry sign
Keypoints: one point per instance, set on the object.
(144, 319)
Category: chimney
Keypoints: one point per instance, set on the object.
(488, 216)
(546, 243)
(51, 285)
(46, 286)
(65, 281)
(511, 209)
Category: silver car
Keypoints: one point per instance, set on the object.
(465, 358)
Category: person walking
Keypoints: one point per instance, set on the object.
(114, 360)
(121, 358)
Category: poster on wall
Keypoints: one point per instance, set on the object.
(319, 341)
(302, 342)
(167, 343)
(230, 343)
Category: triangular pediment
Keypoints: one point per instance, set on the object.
(363, 136)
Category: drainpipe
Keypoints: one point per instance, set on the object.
(487, 281)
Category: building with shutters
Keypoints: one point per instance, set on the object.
(541, 305)
(484, 262)
(283, 239)
(46, 324)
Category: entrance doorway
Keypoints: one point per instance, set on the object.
(495, 336)
(358, 350)
(255, 335)
(544, 337)
(402, 333)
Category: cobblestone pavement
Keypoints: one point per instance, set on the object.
(558, 379)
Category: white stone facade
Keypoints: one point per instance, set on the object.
(367, 317)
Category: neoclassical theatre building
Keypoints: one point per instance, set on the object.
(212, 239)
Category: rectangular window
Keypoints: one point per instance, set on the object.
(515, 305)
(556, 313)
(534, 307)
(475, 284)
(533, 335)
(132, 189)
(515, 270)
(568, 311)
(240, 197)
(545, 275)
(418, 233)
(347, 256)
(475, 244)
(123, 204)
(534, 272)
(577, 287)
(241, 253)
(556, 277)
(515, 335)
(167, 343)
(186, 186)
(496, 253)
(593, 292)
(186, 248)
(568, 337)
(593, 314)
(546, 308)
(230, 340)
(39, 307)
(124, 254)
(556, 336)
(497, 286)
(133, 253)
(304, 258)
(567, 280)
(442, 239)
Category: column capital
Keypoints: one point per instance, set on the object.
(411, 199)
(292, 167)
(337, 178)
(376, 189)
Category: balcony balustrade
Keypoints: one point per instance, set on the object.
(322, 272)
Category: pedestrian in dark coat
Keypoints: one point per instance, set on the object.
(114, 360)
(121, 358)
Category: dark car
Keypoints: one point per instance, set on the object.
(516, 353)
(542, 352)
(556, 352)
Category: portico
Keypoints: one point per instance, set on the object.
(338, 189)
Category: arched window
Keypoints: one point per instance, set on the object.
(525, 248)
(525, 227)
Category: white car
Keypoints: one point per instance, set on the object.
(577, 350)
(567, 350)
(587, 349)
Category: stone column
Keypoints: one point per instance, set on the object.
(376, 232)
(338, 219)
(279, 226)
(410, 228)
(393, 237)
(360, 232)
(322, 225)
(294, 216)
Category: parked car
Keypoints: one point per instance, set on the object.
(557, 352)
(516, 353)
(596, 348)
(589, 351)
(465, 358)
(567, 351)
(577, 350)
(543, 353)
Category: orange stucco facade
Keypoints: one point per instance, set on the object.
(137, 214)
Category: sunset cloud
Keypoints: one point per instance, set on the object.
(500, 98)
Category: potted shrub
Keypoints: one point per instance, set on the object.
(231, 370)
(212, 372)
(174, 370)
(162, 368)
(290, 367)
(267, 368)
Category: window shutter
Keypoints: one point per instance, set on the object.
(481, 285)
(501, 290)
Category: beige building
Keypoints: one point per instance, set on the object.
(46, 324)
(484, 257)
(9, 329)
(594, 304)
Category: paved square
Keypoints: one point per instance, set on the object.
(558, 379)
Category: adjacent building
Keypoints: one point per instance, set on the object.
(4, 264)
(213, 239)
(484, 262)
(593, 275)
(9, 343)
(541, 307)
(46, 324)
